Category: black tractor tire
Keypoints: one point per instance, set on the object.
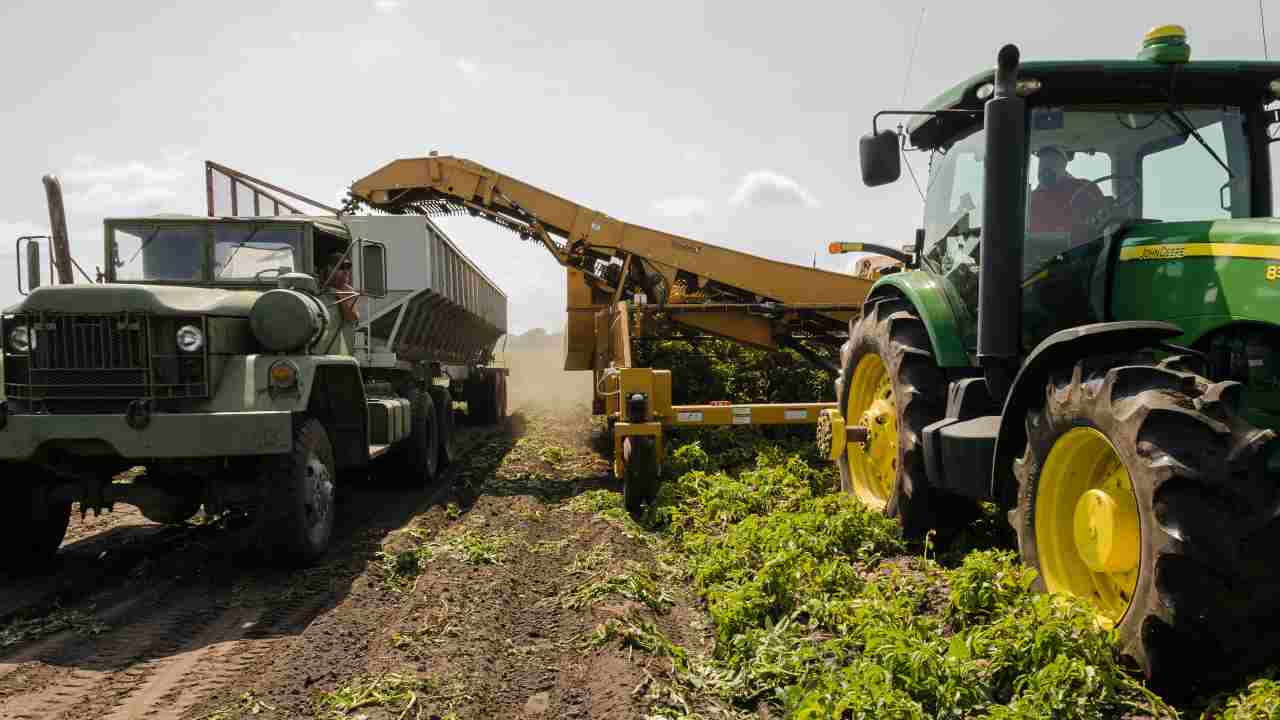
(1206, 603)
(36, 525)
(640, 473)
(299, 487)
(444, 423)
(890, 328)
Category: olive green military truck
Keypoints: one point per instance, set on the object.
(215, 352)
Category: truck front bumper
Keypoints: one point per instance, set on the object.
(164, 435)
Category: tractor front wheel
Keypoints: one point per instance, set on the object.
(890, 384)
(1143, 493)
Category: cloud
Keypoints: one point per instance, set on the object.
(387, 7)
(765, 188)
(681, 206)
(472, 72)
(447, 105)
(372, 51)
(92, 187)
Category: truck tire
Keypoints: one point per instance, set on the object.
(500, 398)
(298, 507)
(640, 473)
(888, 380)
(420, 452)
(35, 527)
(444, 423)
(1144, 492)
(479, 402)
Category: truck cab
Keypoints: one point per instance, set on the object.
(244, 364)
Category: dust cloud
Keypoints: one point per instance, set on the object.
(537, 377)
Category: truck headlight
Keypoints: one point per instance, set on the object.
(21, 340)
(190, 338)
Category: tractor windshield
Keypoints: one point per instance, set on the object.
(1088, 167)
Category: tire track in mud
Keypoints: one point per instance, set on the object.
(170, 646)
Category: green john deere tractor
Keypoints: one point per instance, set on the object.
(1088, 335)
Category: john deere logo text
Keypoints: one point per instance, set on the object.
(1159, 252)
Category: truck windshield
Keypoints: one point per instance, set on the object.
(240, 252)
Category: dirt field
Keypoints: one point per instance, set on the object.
(473, 597)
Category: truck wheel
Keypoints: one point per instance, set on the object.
(499, 384)
(889, 383)
(421, 450)
(479, 401)
(1143, 492)
(444, 424)
(299, 497)
(34, 529)
(640, 473)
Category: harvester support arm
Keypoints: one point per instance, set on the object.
(443, 184)
(700, 287)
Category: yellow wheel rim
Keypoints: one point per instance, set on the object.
(873, 465)
(1088, 535)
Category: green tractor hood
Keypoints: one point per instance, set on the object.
(1199, 275)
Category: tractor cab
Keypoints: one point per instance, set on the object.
(1146, 194)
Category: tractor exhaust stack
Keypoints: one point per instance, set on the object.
(1003, 221)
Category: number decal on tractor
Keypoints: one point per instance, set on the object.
(1273, 272)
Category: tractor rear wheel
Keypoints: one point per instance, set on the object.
(890, 384)
(1144, 493)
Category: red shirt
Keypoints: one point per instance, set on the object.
(1051, 209)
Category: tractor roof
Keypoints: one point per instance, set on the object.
(1108, 81)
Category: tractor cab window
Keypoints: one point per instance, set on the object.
(1090, 167)
(952, 215)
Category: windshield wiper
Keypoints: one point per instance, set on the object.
(1188, 129)
(239, 245)
(141, 247)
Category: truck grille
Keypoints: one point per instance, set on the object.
(103, 357)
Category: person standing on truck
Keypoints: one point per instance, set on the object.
(336, 273)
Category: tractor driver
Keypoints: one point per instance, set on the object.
(336, 273)
(1061, 202)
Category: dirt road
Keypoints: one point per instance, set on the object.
(475, 597)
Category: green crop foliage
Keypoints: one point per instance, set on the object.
(818, 609)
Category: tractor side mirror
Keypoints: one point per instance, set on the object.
(879, 156)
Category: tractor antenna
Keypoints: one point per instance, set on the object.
(911, 56)
(1262, 21)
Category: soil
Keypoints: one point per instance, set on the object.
(146, 621)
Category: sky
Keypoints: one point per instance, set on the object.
(728, 122)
